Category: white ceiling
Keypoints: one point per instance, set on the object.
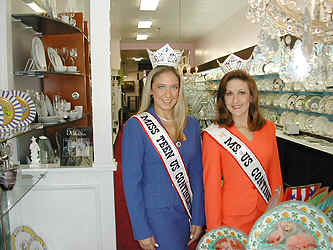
(174, 20)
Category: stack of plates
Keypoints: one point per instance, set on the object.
(55, 59)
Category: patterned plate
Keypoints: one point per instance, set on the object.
(222, 238)
(20, 237)
(316, 213)
(11, 109)
(287, 228)
(28, 107)
(1, 117)
(36, 243)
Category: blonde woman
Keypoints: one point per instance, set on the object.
(162, 169)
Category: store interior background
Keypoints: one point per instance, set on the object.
(206, 30)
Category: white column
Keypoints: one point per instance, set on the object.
(101, 82)
(6, 58)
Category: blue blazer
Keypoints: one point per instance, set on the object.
(146, 182)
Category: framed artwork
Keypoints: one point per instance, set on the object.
(128, 86)
(76, 147)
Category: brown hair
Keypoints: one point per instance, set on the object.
(224, 117)
(179, 111)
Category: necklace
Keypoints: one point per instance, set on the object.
(166, 120)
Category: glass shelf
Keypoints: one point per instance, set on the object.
(24, 183)
(322, 93)
(280, 110)
(6, 135)
(40, 74)
(266, 76)
(46, 25)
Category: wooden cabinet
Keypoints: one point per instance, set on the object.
(73, 87)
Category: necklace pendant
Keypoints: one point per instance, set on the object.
(178, 144)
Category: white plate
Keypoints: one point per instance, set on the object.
(55, 59)
(38, 54)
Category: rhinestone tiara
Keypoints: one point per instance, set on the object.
(165, 56)
(233, 62)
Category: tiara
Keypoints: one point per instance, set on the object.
(234, 62)
(165, 56)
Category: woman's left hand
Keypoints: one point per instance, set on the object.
(195, 233)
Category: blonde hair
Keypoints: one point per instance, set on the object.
(179, 110)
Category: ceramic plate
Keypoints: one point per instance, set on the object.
(38, 54)
(223, 237)
(287, 228)
(36, 243)
(316, 213)
(28, 107)
(1, 117)
(20, 237)
(12, 110)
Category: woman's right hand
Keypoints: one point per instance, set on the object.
(148, 244)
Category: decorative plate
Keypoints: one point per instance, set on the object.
(20, 237)
(222, 237)
(28, 107)
(316, 213)
(1, 117)
(287, 228)
(36, 243)
(12, 110)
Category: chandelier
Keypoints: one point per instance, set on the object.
(300, 18)
(311, 21)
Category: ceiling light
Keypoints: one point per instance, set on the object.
(148, 4)
(144, 24)
(141, 37)
(35, 7)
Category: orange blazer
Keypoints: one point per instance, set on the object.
(238, 196)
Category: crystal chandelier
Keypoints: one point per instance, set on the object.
(297, 17)
(311, 21)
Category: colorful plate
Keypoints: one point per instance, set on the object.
(316, 213)
(12, 110)
(28, 107)
(223, 237)
(287, 228)
(36, 243)
(20, 237)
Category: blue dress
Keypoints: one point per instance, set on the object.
(155, 208)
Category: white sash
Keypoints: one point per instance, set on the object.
(245, 158)
(170, 156)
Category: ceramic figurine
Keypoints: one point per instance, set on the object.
(34, 152)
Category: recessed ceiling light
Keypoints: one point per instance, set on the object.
(35, 7)
(148, 4)
(144, 24)
(141, 37)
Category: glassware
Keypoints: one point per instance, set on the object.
(73, 54)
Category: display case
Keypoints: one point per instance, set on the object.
(10, 198)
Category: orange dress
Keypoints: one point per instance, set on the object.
(237, 203)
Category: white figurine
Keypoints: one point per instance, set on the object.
(34, 152)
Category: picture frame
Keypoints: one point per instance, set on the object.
(76, 146)
(128, 86)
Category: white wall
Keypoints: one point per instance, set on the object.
(235, 34)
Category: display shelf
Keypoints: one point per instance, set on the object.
(321, 93)
(266, 76)
(6, 135)
(41, 74)
(280, 110)
(24, 183)
(46, 25)
(302, 139)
